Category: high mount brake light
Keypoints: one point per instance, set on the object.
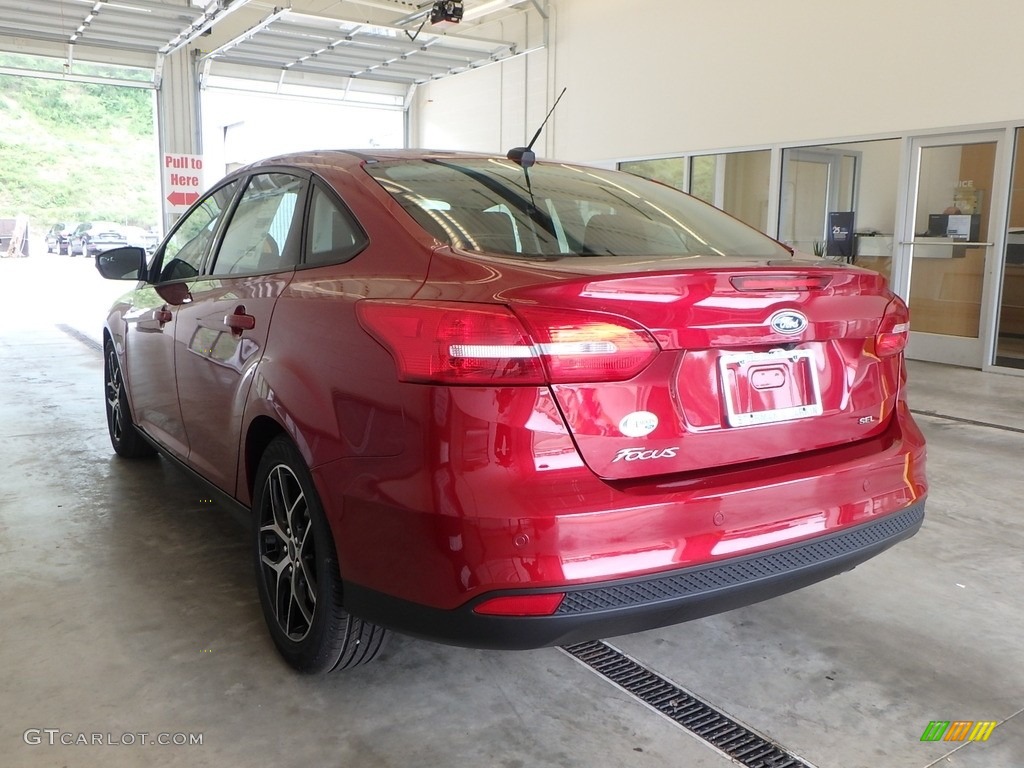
(894, 330)
(485, 344)
(780, 282)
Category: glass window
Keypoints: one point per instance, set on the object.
(557, 211)
(334, 236)
(183, 254)
(262, 235)
(736, 182)
(668, 170)
(859, 178)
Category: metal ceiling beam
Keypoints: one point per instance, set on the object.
(324, 65)
(100, 11)
(249, 34)
(384, 6)
(421, 62)
(146, 8)
(315, 69)
(274, 54)
(446, 55)
(215, 12)
(487, 8)
(314, 24)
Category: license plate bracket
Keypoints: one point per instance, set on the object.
(769, 387)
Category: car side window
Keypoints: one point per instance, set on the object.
(263, 233)
(183, 254)
(333, 235)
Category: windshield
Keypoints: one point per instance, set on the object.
(555, 210)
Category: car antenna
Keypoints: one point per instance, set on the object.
(525, 156)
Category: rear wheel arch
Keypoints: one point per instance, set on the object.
(261, 432)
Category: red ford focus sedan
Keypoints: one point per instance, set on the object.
(510, 407)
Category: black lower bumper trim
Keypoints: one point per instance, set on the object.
(607, 609)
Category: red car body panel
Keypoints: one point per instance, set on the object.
(439, 496)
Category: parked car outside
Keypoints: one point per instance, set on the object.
(90, 238)
(58, 236)
(142, 238)
(511, 407)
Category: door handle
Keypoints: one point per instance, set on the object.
(163, 316)
(239, 321)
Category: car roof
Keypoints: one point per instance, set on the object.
(352, 158)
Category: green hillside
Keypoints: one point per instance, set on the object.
(74, 151)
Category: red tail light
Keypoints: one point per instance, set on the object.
(462, 343)
(894, 330)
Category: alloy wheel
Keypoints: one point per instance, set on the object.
(287, 552)
(114, 384)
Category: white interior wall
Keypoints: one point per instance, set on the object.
(242, 127)
(491, 109)
(652, 77)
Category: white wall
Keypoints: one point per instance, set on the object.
(240, 127)
(657, 77)
(491, 109)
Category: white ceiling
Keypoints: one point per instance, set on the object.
(382, 41)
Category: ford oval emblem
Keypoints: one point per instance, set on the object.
(788, 322)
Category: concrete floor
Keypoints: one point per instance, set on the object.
(127, 605)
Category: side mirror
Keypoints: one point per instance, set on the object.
(122, 264)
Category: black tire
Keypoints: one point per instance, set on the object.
(297, 572)
(70, 250)
(124, 436)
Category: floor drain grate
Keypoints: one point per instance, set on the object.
(698, 717)
(90, 342)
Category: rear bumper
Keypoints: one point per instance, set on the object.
(617, 607)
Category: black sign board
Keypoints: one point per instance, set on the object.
(839, 240)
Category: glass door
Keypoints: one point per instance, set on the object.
(1009, 346)
(950, 225)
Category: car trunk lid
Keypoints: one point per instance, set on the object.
(755, 364)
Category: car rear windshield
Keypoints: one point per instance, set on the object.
(554, 210)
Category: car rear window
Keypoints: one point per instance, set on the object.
(557, 210)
